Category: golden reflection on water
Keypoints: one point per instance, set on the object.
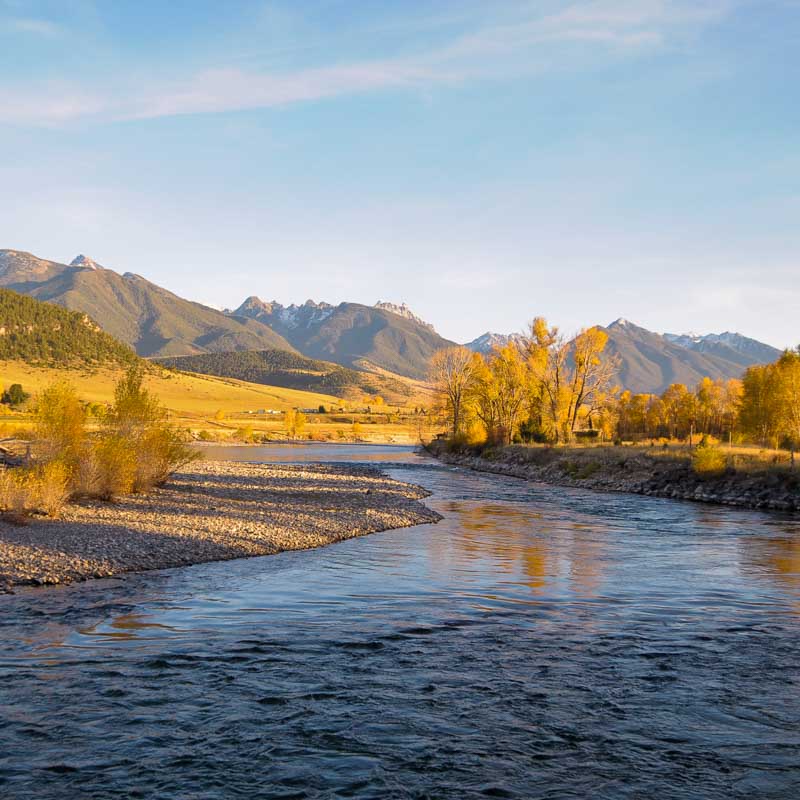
(775, 557)
(127, 627)
(525, 543)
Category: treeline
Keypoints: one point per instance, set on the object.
(544, 388)
(288, 370)
(548, 389)
(763, 408)
(41, 333)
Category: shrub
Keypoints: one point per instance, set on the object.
(709, 461)
(160, 451)
(245, 434)
(60, 423)
(52, 486)
(15, 395)
(43, 489)
(116, 466)
(138, 422)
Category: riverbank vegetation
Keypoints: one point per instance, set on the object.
(132, 449)
(549, 390)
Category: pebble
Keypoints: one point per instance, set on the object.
(211, 511)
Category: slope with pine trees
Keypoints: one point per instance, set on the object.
(45, 335)
(291, 371)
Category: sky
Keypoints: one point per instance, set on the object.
(484, 162)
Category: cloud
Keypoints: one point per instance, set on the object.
(532, 43)
(37, 27)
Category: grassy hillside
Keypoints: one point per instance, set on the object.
(195, 400)
(39, 333)
(134, 310)
(292, 371)
(185, 395)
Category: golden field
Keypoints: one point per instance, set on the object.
(223, 407)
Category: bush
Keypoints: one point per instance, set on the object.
(60, 424)
(15, 395)
(709, 461)
(52, 486)
(42, 489)
(137, 422)
(245, 434)
(160, 452)
(115, 460)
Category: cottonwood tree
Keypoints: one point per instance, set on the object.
(788, 368)
(452, 372)
(569, 378)
(500, 390)
(760, 412)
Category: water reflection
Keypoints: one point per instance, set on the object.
(539, 550)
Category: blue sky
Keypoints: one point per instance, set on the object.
(484, 162)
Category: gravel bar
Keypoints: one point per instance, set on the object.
(211, 511)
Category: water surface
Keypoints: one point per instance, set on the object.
(538, 642)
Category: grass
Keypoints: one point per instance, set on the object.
(194, 400)
(576, 458)
(181, 393)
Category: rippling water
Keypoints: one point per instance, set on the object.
(539, 642)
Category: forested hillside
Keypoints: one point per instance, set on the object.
(40, 333)
(289, 370)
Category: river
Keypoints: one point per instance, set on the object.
(539, 642)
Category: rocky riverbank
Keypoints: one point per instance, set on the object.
(211, 511)
(634, 471)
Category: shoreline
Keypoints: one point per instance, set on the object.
(211, 511)
(633, 473)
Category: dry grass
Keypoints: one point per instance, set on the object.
(42, 489)
(217, 406)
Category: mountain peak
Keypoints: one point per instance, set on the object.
(84, 262)
(489, 341)
(404, 311)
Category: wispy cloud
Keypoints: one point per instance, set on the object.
(36, 27)
(617, 25)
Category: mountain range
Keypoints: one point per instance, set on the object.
(152, 320)
(650, 362)
(384, 338)
(351, 334)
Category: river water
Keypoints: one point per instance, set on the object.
(539, 642)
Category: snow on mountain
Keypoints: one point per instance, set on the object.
(84, 262)
(753, 351)
(403, 311)
(488, 341)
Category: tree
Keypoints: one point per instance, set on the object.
(15, 395)
(500, 389)
(788, 368)
(452, 372)
(60, 423)
(592, 373)
(759, 416)
(295, 422)
(674, 400)
(570, 378)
